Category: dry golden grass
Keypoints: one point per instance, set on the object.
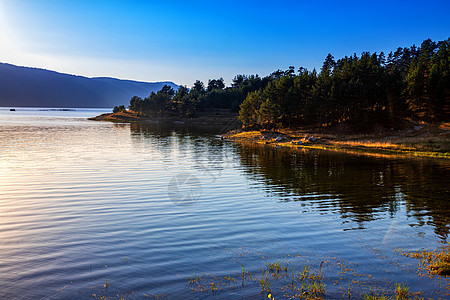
(248, 134)
(370, 144)
(122, 116)
(429, 140)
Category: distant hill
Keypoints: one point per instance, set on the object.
(22, 86)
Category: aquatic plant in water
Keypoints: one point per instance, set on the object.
(434, 262)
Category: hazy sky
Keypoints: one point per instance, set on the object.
(182, 41)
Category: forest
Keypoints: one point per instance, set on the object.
(411, 82)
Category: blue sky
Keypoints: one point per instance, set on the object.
(183, 41)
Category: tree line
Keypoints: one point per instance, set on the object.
(188, 102)
(371, 88)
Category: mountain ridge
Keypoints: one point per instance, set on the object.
(22, 86)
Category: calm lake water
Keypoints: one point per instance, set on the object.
(94, 209)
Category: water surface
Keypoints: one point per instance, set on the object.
(91, 209)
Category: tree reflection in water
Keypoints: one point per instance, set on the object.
(359, 187)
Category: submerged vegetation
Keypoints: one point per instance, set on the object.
(401, 292)
(334, 278)
(433, 262)
(298, 277)
(286, 281)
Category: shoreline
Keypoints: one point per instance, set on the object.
(216, 117)
(421, 141)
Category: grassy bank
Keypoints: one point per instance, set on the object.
(432, 140)
(120, 117)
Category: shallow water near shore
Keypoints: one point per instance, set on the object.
(95, 209)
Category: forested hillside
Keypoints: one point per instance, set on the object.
(372, 88)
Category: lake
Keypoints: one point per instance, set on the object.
(145, 211)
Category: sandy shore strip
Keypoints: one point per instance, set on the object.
(422, 140)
